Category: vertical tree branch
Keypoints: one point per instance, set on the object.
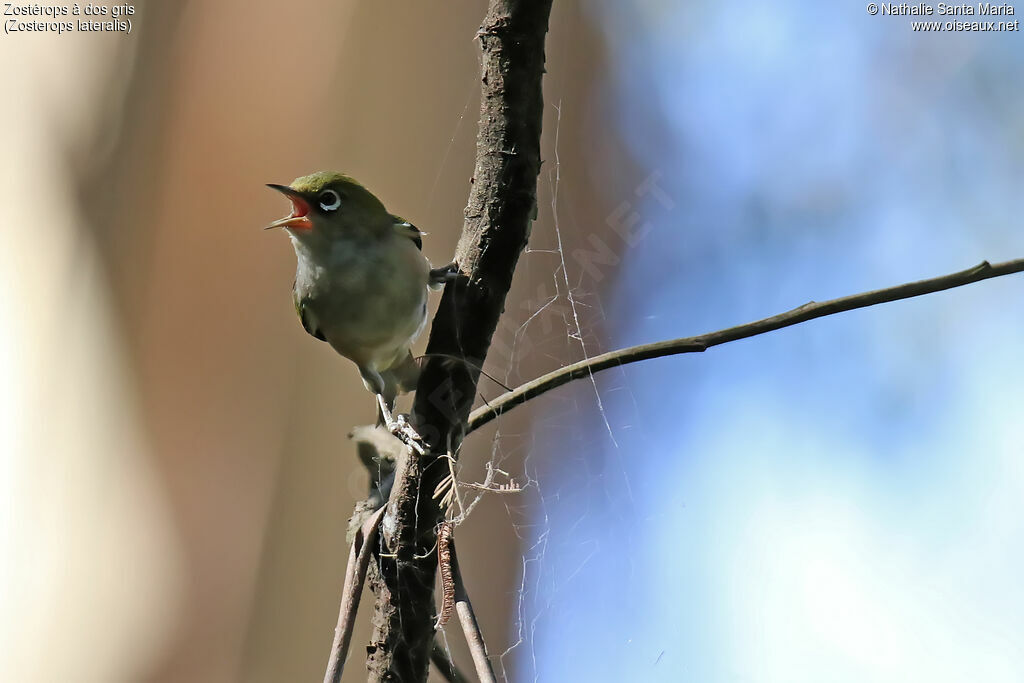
(502, 204)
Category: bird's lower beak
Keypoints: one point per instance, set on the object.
(299, 218)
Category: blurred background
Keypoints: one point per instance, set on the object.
(841, 501)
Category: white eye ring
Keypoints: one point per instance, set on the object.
(329, 200)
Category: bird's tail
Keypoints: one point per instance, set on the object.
(405, 373)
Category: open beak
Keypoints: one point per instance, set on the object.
(299, 218)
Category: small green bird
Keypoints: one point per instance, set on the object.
(361, 281)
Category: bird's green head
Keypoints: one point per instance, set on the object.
(327, 202)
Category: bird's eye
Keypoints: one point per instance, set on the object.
(329, 200)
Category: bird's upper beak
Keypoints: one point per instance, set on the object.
(299, 218)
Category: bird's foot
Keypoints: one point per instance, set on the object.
(400, 427)
(444, 274)
(408, 434)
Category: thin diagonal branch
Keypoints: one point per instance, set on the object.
(470, 627)
(801, 314)
(355, 575)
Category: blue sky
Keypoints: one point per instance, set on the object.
(843, 500)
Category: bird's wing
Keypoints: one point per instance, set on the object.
(407, 229)
(308, 323)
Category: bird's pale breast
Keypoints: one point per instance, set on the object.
(368, 299)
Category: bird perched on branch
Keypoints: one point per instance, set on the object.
(361, 281)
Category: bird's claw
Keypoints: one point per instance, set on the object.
(444, 274)
(400, 427)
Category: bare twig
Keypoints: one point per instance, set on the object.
(808, 311)
(470, 627)
(445, 666)
(355, 575)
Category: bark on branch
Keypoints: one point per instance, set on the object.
(502, 204)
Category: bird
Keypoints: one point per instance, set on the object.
(361, 282)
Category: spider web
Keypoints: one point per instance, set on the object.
(562, 446)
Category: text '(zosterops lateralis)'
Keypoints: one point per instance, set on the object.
(361, 282)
